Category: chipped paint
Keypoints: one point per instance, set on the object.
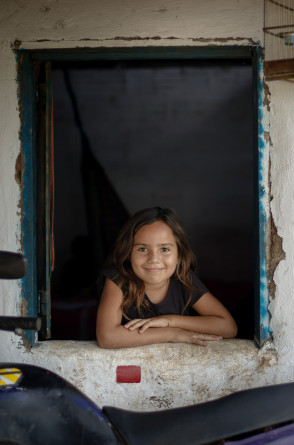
(16, 44)
(19, 177)
(263, 164)
(161, 402)
(224, 40)
(275, 252)
(25, 166)
(266, 99)
(267, 357)
(210, 40)
(19, 165)
(267, 136)
(129, 39)
(19, 169)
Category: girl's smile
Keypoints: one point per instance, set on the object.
(154, 255)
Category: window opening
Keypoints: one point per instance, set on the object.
(133, 57)
(173, 134)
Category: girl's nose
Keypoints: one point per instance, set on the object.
(153, 256)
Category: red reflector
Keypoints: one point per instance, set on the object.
(128, 374)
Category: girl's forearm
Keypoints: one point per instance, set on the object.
(123, 338)
(208, 324)
(119, 337)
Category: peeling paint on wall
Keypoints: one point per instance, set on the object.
(210, 40)
(25, 178)
(275, 251)
(128, 39)
(224, 40)
(19, 168)
(264, 215)
(19, 178)
(20, 164)
(277, 254)
(16, 44)
(266, 100)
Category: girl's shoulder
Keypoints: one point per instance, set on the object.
(107, 272)
(197, 283)
(112, 273)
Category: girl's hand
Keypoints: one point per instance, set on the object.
(183, 336)
(180, 335)
(142, 324)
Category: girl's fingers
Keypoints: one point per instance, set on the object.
(156, 322)
(209, 337)
(131, 323)
(201, 339)
(200, 342)
(135, 324)
(145, 326)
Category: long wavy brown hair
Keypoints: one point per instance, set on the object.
(132, 286)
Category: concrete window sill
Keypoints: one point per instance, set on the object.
(172, 375)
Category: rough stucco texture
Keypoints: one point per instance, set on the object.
(171, 375)
(282, 207)
(70, 22)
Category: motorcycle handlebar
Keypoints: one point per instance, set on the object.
(20, 323)
(12, 265)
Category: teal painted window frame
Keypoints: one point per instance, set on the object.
(27, 92)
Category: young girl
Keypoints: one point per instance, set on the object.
(151, 293)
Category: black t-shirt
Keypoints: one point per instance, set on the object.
(174, 302)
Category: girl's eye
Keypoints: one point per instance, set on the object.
(165, 249)
(142, 249)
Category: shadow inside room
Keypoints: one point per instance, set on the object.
(175, 134)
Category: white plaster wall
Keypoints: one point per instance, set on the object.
(171, 375)
(55, 23)
(203, 373)
(9, 189)
(282, 207)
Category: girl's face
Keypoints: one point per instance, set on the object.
(154, 254)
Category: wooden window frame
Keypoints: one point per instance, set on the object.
(36, 284)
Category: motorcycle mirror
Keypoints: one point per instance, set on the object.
(12, 265)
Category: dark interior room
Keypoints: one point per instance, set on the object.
(136, 134)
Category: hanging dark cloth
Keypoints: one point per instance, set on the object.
(38, 66)
(106, 213)
(52, 250)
